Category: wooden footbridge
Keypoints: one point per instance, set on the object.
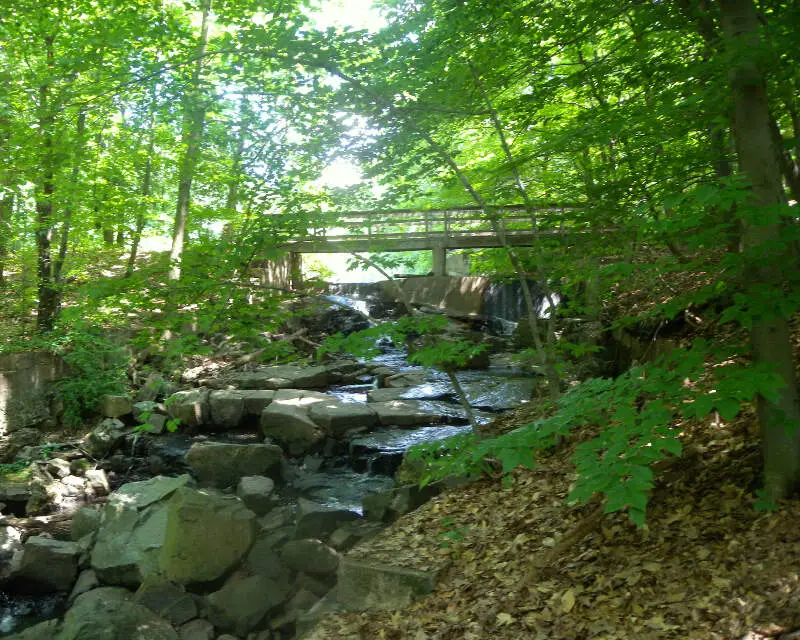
(436, 230)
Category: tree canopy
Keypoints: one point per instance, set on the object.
(667, 133)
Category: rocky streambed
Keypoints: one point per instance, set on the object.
(240, 522)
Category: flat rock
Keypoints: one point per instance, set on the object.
(197, 629)
(337, 417)
(146, 492)
(282, 377)
(15, 491)
(385, 394)
(222, 464)
(276, 518)
(403, 413)
(365, 585)
(256, 400)
(404, 379)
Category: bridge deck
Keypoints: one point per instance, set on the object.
(425, 230)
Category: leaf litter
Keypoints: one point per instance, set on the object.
(707, 565)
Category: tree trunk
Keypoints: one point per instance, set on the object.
(771, 337)
(48, 293)
(232, 199)
(194, 120)
(147, 180)
(6, 211)
(58, 265)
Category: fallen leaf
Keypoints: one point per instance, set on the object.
(567, 600)
(505, 619)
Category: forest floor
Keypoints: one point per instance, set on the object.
(706, 566)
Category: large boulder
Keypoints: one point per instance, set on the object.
(10, 551)
(132, 531)
(256, 493)
(387, 506)
(207, 535)
(245, 601)
(49, 565)
(287, 420)
(227, 408)
(319, 521)
(167, 600)
(222, 464)
(310, 556)
(46, 630)
(115, 406)
(263, 560)
(255, 401)
(190, 407)
(110, 613)
(105, 438)
(337, 417)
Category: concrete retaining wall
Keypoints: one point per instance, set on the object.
(460, 296)
(26, 380)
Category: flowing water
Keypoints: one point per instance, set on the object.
(346, 472)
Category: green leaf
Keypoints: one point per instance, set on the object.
(728, 408)
(638, 517)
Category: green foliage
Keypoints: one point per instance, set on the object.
(17, 471)
(171, 425)
(96, 365)
(637, 414)
(451, 534)
(363, 343)
(447, 354)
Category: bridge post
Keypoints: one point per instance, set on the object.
(440, 261)
(295, 270)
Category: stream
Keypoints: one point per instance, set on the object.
(342, 475)
(345, 471)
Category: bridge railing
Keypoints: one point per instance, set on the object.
(439, 223)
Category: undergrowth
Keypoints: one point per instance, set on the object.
(637, 413)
